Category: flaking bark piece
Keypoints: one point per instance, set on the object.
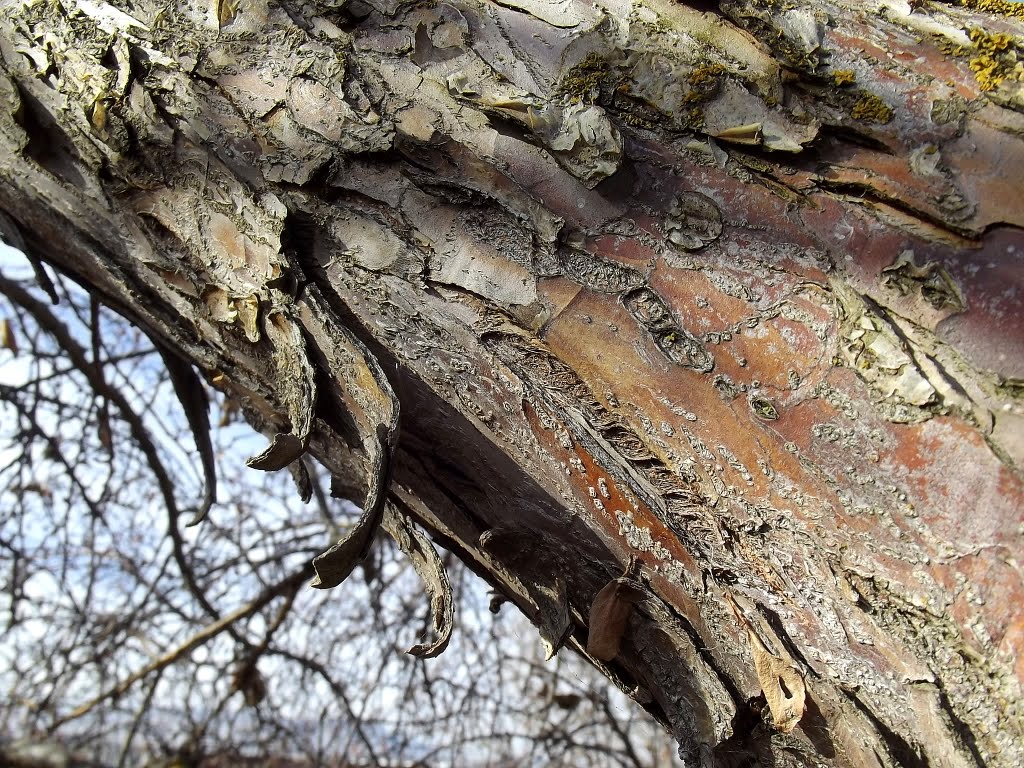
(192, 395)
(371, 401)
(610, 612)
(427, 564)
(299, 391)
(284, 448)
(781, 682)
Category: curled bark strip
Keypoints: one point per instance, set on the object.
(334, 565)
(610, 612)
(282, 451)
(428, 566)
(781, 682)
(299, 392)
(369, 398)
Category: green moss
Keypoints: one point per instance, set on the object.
(872, 109)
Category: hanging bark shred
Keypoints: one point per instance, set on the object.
(191, 393)
(373, 404)
(610, 613)
(553, 618)
(781, 682)
(303, 483)
(428, 566)
(517, 547)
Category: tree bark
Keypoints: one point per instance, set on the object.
(733, 290)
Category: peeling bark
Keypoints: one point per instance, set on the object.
(735, 292)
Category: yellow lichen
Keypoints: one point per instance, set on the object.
(993, 56)
(871, 108)
(637, 121)
(843, 77)
(703, 83)
(694, 118)
(1000, 7)
(990, 42)
(996, 58)
(585, 78)
(706, 75)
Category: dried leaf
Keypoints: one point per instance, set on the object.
(741, 134)
(567, 700)
(226, 11)
(430, 569)
(249, 681)
(98, 116)
(219, 304)
(610, 613)
(247, 311)
(103, 429)
(228, 412)
(7, 338)
(781, 682)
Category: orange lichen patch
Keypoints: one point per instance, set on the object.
(843, 77)
(872, 109)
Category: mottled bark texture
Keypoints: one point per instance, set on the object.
(733, 288)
